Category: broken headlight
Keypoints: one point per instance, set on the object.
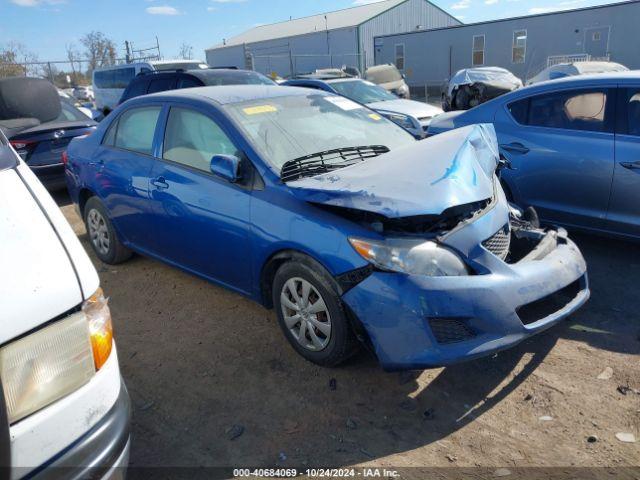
(405, 121)
(415, 257)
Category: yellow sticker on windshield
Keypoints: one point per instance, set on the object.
(259, 109)
(375, 116)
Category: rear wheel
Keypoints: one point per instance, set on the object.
(103, 237)
(311, 314)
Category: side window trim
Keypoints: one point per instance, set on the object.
(116, 125)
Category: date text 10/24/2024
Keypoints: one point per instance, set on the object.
(315, 473)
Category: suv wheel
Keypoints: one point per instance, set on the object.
(311, 314)
(103, 237)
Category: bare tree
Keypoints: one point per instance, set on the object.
(100, 51)
(185, 52)
(14, 58)
(74, 57)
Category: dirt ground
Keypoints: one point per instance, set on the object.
(199, 360)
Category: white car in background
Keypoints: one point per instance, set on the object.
(84, 93)
(62, 400)
(562, 70)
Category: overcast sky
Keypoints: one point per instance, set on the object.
(46, 26)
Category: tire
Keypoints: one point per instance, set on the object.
(102, 236)
(337, 341)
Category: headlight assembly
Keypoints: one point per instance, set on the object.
(416, 257)
(405, 121)
(46, 365)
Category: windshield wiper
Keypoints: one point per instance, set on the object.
(322, 162)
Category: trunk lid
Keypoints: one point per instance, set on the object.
(44, 144)
(426, 178)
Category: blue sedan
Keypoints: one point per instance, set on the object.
(350, 228)
(574, 147)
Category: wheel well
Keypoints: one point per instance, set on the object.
(84, 195)
(275, 262)
(269, 272)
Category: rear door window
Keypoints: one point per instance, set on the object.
(586, 110)
(188, 82)
(136, 89)
(136, 129)
(161, 84)
(630, 112)
(192, 139)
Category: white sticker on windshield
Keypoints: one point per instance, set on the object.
(343, 103)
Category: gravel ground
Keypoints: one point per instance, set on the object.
(203, 364)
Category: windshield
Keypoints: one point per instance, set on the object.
(363, 92)
(286, 128)
(234, 77)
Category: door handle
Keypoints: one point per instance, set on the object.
(97, 163)
(160, 183)
(515, 147)
(631, 165)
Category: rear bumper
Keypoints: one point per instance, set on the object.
(103, 452)
(420, 322)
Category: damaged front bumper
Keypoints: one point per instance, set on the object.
(419, 322)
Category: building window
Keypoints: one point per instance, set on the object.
(478, 50)
(596, 36)
(400, 56)
(519, 48)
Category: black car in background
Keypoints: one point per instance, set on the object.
(160, 81)
(40, 124)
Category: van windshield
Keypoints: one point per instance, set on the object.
(286, 128)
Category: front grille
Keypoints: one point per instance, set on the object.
(450, 330)
(540, 309)
(499, 243)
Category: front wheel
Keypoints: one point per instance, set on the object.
(103, 237)
(311, 314)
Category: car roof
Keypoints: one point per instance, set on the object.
(594, 79)
(228, 94)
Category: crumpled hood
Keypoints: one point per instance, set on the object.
(425, 178)
(407, 107)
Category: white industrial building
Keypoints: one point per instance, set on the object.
(333, 39)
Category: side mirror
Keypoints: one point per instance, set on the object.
(226, 166)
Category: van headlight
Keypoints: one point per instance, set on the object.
(46, 365)
(415, 257)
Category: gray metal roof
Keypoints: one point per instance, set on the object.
(349, 17)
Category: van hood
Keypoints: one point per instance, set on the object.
(40, 281)
(425, 178)
(418, 110)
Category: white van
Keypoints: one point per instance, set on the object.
(109, 82)
(62, 400)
